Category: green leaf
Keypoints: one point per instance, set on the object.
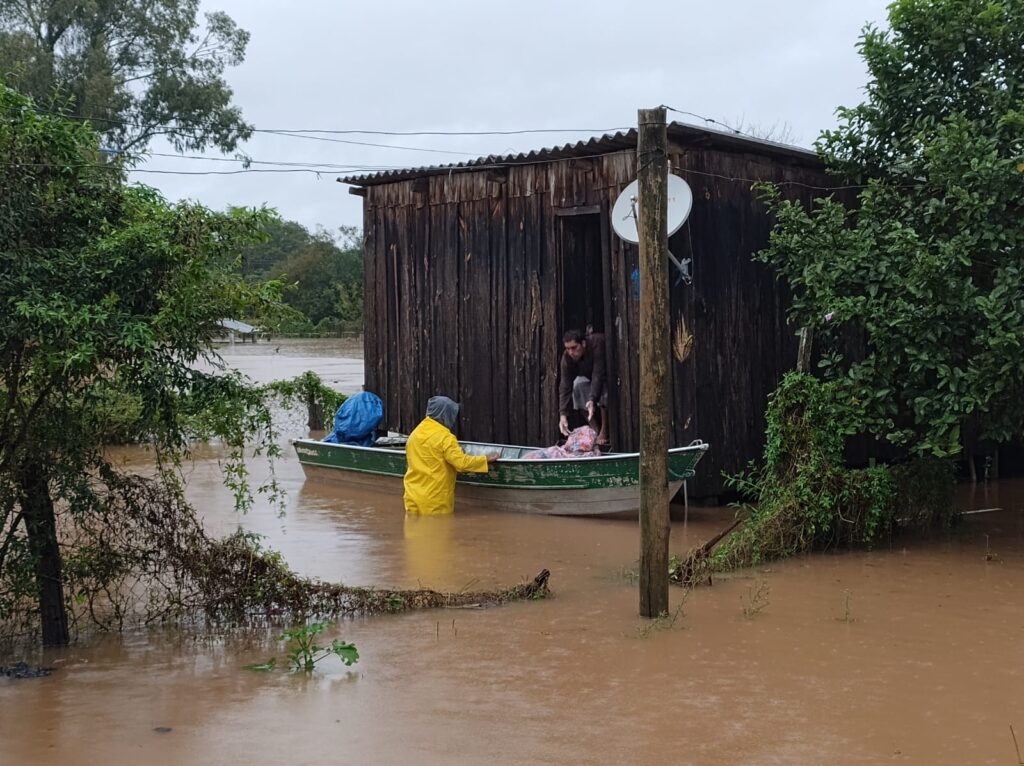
(345, 651)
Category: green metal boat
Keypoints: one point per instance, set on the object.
(586, 486)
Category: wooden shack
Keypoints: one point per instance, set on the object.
(473, 272)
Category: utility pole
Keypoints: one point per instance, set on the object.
(652, 174)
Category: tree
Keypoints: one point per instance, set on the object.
(326, 273)
(915, 290)
(105, 290)
(134, 68)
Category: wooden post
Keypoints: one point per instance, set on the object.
(652, 224)
(803, 354)
(314, 410)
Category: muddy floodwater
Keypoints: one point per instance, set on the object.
(912, 653)
(338, 361)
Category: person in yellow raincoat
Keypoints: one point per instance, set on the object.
(434, 458)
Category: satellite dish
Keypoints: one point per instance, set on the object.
(624, 211)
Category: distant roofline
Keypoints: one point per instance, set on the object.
(236, 325)
(610, 142)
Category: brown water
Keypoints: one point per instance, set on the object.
(910, 654)
(339, 361)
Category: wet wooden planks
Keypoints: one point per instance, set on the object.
(464, 275)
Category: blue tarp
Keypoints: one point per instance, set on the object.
(357, 419)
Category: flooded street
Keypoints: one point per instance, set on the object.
(909, 654)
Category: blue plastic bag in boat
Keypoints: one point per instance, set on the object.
(357, 419)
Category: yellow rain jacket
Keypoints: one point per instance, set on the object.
(434, 457)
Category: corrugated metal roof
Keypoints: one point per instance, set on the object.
(613, 142)
(236, 326)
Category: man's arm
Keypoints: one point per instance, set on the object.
(462, 462)
(600, 372)
(565, 380)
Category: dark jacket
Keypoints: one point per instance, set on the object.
(591, 365)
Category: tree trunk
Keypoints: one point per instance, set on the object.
(41, 525)
(314, 413)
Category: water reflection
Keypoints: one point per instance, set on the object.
(428, 546)
(910, 653)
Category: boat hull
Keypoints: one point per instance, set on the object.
(567, 487)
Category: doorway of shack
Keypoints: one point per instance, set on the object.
(585, 287)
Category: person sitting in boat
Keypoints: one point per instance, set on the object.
(581, 384)
(435, 457)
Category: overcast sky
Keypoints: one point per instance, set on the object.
(479, 65)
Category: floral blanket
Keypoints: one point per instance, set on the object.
(580, 443)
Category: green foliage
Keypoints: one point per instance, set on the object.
(109, 295)
(304, 653)
(307, 390)
(325, 275)
(916, 292)
(114, 416)
(135, 69)
(805, 497)
(924, 493)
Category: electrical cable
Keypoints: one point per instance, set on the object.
(327, 168)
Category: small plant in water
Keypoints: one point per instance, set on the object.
(756, 599)
(303, 651)
(847, 615)
(394, 603)
(990, 555)
(664, 621)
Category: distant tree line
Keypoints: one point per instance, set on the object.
(322, 271)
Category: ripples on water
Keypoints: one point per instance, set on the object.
(911, 653)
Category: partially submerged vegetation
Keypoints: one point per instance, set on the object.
(111, 296)
(142, 558)
(806, 497)
(148, 559)
(910, 280)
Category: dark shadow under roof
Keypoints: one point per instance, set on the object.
(610, 142)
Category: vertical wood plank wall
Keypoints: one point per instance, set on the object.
(462, 299)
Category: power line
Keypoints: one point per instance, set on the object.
(306, 133)
(322, 135)
(354, 131)
(444, 132)
(82, 166)
(242, 171)
(731, 129)
(324, 168)
(364, 143)
(245, 160)
(439, 170)
(712, 120)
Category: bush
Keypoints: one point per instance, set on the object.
(806, 498)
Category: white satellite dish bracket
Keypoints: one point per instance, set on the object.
(680, 201)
